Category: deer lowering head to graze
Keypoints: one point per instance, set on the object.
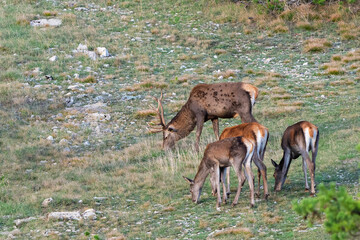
(206, 102)
(252, 90)
(228, 152)
(259, 135)
(297, 140)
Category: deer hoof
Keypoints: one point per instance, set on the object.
(257, 195)
(313, 194)
(267, 196)
(306, 189)
(233, 204)
(252, 205)
(218, 209)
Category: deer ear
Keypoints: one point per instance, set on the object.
(274, 163)
(188, 180)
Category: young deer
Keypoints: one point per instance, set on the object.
(259, 135)
(207, 102)
(228, 152)
(297, 140)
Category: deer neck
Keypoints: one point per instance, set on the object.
(184, 121)
(201, 175)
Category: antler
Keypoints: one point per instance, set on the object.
(160, 111)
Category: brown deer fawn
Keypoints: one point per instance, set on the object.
(207, 102)
(259, 135)
(228, 152)
(297, 140)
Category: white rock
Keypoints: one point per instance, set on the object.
(53, 22)
(267, 61)
(64, 216)
(64, 142)
(53, 58)
(103, 52)
(18, 222)
(92, 55)
(50, 138)
(82, 47)
(89, 214)
(98, 117)
(46, 202)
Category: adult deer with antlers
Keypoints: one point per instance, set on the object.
(207, 102)
(297, 140)
(259, 135)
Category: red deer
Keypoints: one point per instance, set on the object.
(252, 90)
(297, 140)
(206, 102)
(228, 152)
(259, 135)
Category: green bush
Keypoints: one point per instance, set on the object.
(342, 212)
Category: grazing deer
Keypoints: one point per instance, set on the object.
(228, 152)
(259, 135)
(206, 102)
(297, 140)
(253, 92)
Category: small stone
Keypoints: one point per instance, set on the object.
(92, 55)
(100, 198)
(82, 47)
(50, 138)
(267, 61)
(103, 52)
(18, 222)
(64, 142)
(46, 202)
(89, 214)
(53, 58)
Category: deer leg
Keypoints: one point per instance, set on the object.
(304, 167)
(285, 168)
(250, 179)
(241, 179)
(314, 153)
(217, 180)
(311, 167)
(228, 181)
(215, 123)
(222, 175)
(199, 127)
(262, 172)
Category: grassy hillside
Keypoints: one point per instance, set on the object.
(75, 129)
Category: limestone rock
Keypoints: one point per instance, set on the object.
(46, 202)
(53, 58)
(89, 214)
(103, 52)
(53, 22)
(18, 222)
(64, 216)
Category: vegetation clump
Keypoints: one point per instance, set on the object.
(342, 211)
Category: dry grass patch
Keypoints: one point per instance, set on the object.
(49, 13)
(275, 97)
(22, 20)
(345, 82)
(245, 232)
(145, 113)
(228, 73)
(220, 51)
(305, 25)
(316, 45)
(155, 31)
(335, 71)
(88, 79)
(336, 57)
(296, 103)
(275, 111)
(142, 68)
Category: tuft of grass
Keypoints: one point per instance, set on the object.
(335, 71)
(220, 51)
(88, 79)
(145, 113)
(305, 25)
(228, 73)
(245, 232)
(316, 45)
(48, 13)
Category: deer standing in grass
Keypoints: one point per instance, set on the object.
(297, 140)
(207, 102)
(259, 135)
(228, 152)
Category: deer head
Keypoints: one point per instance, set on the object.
(195, 190)
(277, 175)
(170, 133)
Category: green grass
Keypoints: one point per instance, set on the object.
(147, 197)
